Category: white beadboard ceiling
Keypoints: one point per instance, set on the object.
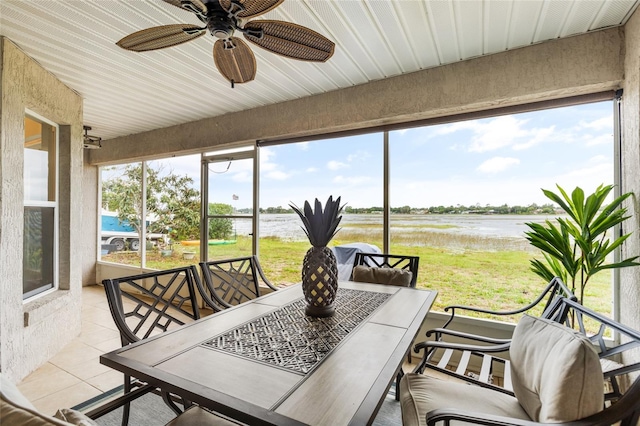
(126, 92)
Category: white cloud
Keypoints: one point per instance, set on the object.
(242, 176)
(603, 123)
(311, 170)
(336, 165)
(497, 133)
(455, 127)
(278, 175)
(351, 180)
(536, 136)
(359, 155)
(592, 140)
(497, 164)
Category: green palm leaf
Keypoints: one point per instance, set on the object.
(577, 247)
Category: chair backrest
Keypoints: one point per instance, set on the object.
(233, 281)
(146, 304)
(380, 260)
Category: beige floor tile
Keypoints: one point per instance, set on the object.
(80, 352)
(99, 316)
(93, 295)
(44, 371)
(97, 335)
(87, 369)
(89, 327)
(66, 398)
(108, 345)
(107, 380)
(47, 385)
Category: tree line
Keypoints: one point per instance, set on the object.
(457, 209)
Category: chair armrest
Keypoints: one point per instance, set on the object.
(448, 414)
(461, 346)
(262, 275)
(430, 347)
(453, 308)
(608, 416)
(554, 289)
(439, 332)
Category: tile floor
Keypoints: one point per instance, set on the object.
(75, 373)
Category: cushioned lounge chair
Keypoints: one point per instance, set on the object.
(574, 375)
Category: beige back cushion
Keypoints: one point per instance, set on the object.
(555, 371)
(392, 276)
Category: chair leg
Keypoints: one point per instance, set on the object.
(168, 399)
(398, 377)
(127, 406)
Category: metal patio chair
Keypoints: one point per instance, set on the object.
(540, 378)
(464, 356)
(233, 281)
(147, 304)
(392, 261)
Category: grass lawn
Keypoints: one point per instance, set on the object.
(488, 273)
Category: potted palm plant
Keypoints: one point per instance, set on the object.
(576, 248)
(319, 268)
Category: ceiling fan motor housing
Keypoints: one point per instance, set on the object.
(219, 23)
(220, 29)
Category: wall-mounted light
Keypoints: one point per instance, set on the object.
(91, 142)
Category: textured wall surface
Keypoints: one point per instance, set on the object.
(630, 277)
(566, 67)
(34, 332)
(89, 246)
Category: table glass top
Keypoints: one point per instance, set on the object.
(287, 338)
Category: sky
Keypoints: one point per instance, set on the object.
(492, 161)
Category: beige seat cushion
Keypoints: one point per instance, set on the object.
(420, 394)
(196, 416)
(15, 409)
(555, 371)
(391, 276)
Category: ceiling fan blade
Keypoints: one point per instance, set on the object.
(190, 5)
(291, 40)
(237, 64)
(160, 37)
(252, 8)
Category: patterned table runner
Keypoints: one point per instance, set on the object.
(289, 339)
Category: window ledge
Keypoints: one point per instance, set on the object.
(39, 309)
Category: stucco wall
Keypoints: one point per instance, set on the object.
(630, 277)
(34, 332)
(89, 246)
(565, 67)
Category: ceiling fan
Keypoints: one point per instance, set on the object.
(232, 56)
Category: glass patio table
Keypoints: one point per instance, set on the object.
(265, 363)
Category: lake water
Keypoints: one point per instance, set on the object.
(288, 226)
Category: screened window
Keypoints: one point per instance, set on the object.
(40, 241)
